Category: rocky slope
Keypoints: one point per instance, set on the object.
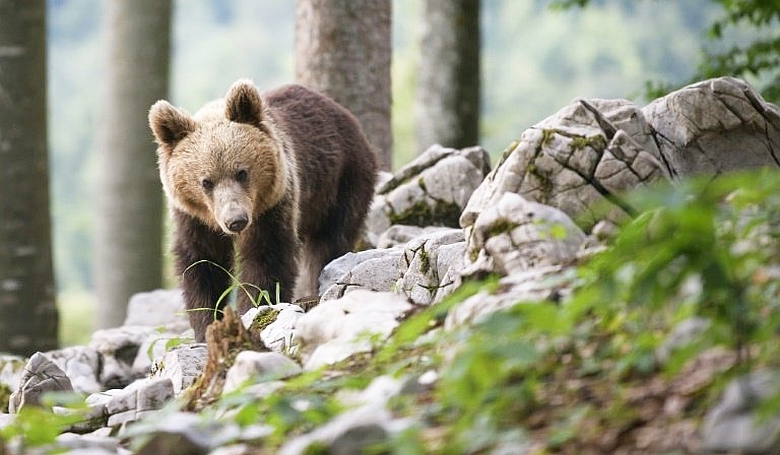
(488, 313)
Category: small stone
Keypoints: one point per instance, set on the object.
(259, 367)
(40, 376)
(336, 329)
(278, 336)
(182, 365)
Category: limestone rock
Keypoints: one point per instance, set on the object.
(181, 365)
(715, 126)
(351, 432)
(41, 375)
(336, 329)
(539, 284)
(515, 235)
(737, 425)
(259, 367)
(278, 336)
(432, 190)
(590, 151)
(339, 270)
(377, 270)
(119, 349)
(401, 234)
(81, 364)
(158, 308)
(426, 260)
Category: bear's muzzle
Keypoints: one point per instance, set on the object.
(231, 208)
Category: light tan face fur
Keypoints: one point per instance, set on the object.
(224, 172)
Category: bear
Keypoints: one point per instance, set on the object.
(274, 185)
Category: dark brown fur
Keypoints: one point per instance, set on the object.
(312, 175)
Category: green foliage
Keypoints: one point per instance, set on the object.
(39, 426)
(716, 236)
(236, 285)
(706, 248)
(759, 57)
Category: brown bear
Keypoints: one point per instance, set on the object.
(279, 182)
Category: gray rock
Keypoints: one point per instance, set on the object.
(88, 442)
(259, 367)
(736, 424)
(350, 433)
(589, 151)
(159, 308)
(278, 336)
(401, 234)
(96, 451)
(376, 395)
(136, 400)
(450, 263)
(715, 126)
(335, 271)
(422, 266)
(535, 285)
(154, 393)
(336, 329)
(182, 433)
(432, 190)
(40, 376)
(181, 365)
(515, 235)
(81, 364)
(119, 347)
(376, 274)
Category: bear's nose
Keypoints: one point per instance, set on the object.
(238, 223)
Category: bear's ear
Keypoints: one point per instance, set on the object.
(243, 103)
(169, 125)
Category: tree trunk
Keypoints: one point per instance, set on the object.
(343, 49)
(28, 313)
(447, 98)
(130, 203)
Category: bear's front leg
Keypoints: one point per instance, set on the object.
(202, 257)
(269, 257)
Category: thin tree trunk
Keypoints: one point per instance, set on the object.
(343, 49)
(447, 98)
(28, 313)
(130, 203)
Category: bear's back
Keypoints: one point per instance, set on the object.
(332, 153)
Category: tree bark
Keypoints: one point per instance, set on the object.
(28, 313)
(447, 98)
(130, 203)
(343, 49)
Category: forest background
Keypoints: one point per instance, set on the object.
(534, 61)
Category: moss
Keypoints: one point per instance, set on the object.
(547, 137)
(317, 448)
(425, 260)
(421, 183)
(421, 214)
(597, 142)
(507, 152)
(501, 226)
(545, 182)
(5, 396)
(263, 320)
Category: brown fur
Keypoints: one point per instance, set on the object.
(284, 179)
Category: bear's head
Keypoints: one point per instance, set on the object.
(223, 165)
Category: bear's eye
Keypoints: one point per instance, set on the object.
(242, 176)
(207, 184)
